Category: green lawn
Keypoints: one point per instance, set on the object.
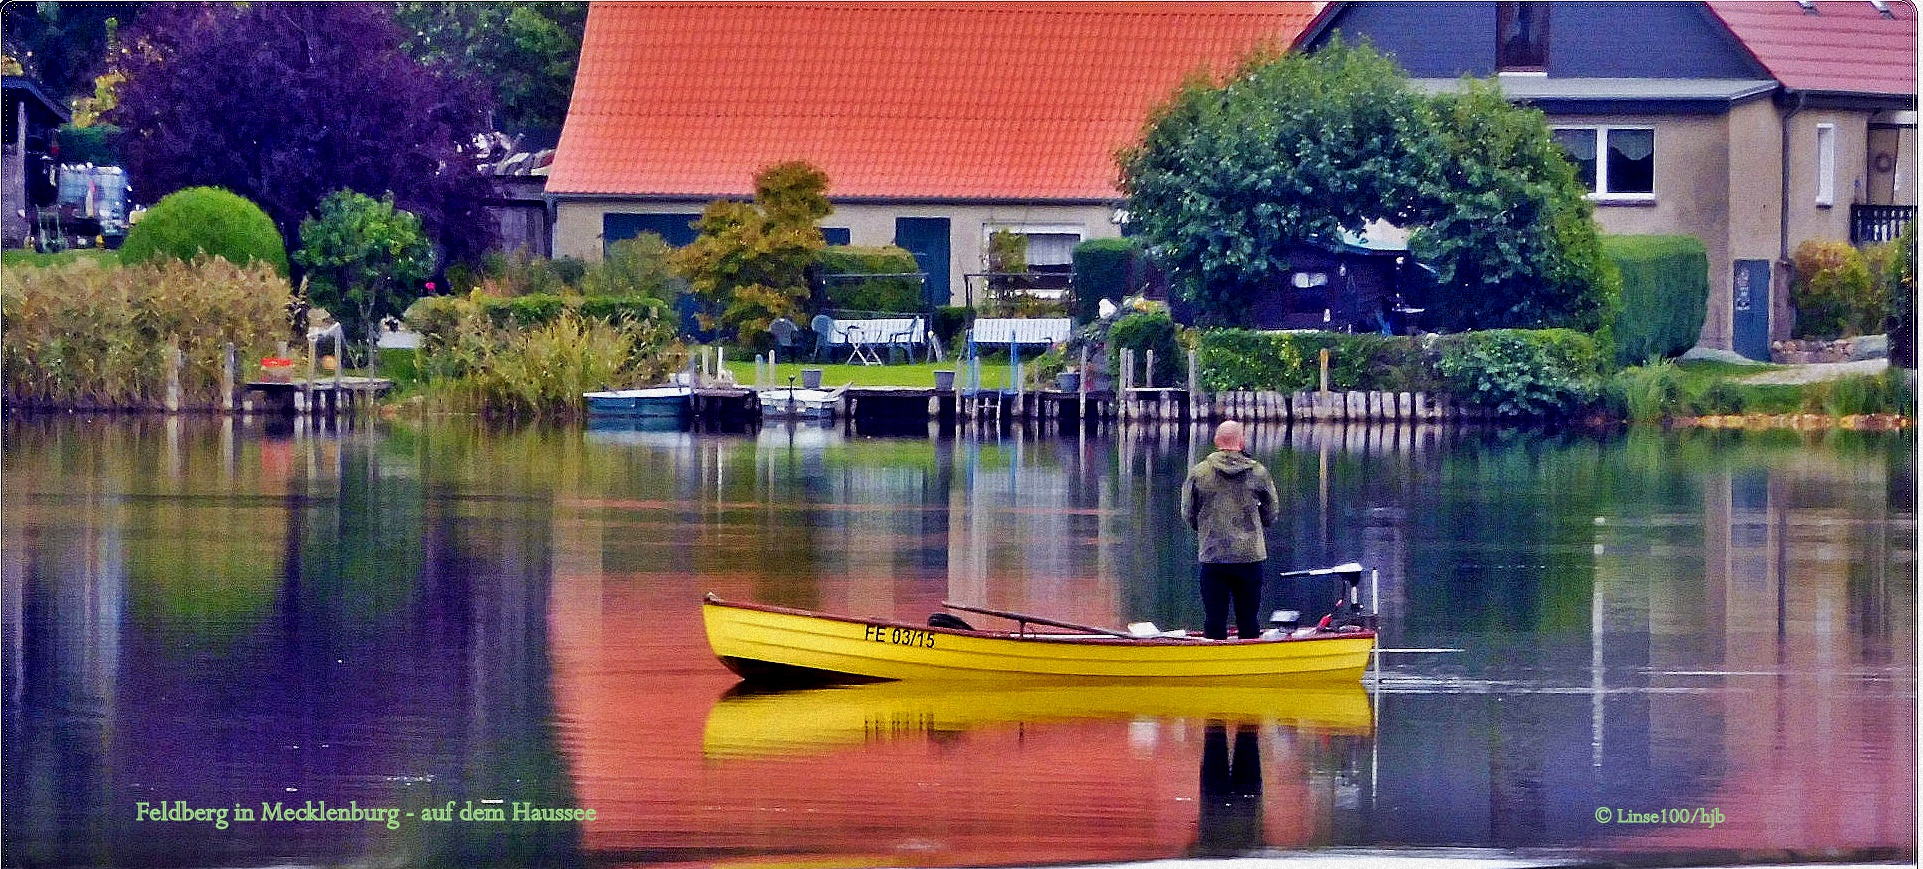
(1700, 373)
(994, 374)
(17, 258)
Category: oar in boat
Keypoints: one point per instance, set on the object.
(1025, 618)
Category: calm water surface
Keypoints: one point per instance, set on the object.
(207, 616)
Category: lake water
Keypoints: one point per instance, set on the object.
(200, 616)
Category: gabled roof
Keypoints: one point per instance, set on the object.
(1853, 47)
(1837, 46)
(954, 101)
(49, 110)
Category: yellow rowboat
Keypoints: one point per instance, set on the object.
(784, 723)
(769, 643)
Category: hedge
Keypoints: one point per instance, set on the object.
(1142, 332)
(1513, 373)
(437, 317)
(1665, 294)
(1105, 268)
(880, 295)
(205, 220)
(1239, 359)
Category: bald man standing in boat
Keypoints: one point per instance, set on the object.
(1228, 499)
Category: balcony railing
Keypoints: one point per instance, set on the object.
(1870, 224)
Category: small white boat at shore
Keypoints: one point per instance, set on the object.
(793, 403)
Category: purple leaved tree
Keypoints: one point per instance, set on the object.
(285, 103)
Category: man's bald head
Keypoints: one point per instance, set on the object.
(1228, 436)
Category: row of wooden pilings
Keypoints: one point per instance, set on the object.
(965, 402)
(1150, 402)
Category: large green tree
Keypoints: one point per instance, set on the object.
(526, 52)
(750, 261)
(366, 259)
(1293, 149)
(1506, 224)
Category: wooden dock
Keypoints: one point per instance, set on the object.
(320, 396)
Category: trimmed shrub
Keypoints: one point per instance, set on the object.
(523, 312)
(438, 318)
(82, 335)
(950, 321)
(879, 295)
(97, 144)
(1521, 373)
(1106, 268)
(1833, 292)
(205, 220)
(1142, 332)
(1665, 295)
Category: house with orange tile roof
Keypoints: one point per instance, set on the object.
(937, 123)
(1753, 125)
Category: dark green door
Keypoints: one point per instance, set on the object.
(927, 239)
(1749, 308)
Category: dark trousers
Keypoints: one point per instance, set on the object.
(1220, 583)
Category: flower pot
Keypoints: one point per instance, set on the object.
(944, 379)
(1069, 381)
(810, 378)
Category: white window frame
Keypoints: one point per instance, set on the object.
(1600, 192)
(1825, 165)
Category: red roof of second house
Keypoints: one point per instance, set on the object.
(974, 100)
(1841, 46)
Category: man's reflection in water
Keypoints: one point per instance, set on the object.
(1231, 815)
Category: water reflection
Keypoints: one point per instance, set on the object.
(1230, 822)
(201, 611)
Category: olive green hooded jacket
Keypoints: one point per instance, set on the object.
(1228, 498)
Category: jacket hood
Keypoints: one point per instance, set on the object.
(1230, 464)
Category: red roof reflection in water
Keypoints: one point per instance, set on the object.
(1064, 792)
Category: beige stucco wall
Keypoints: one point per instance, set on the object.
(578, 224)
(1755, 217)
(1719, 178)
(1697, 177)
(1807, 220)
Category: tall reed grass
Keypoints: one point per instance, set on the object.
(473, 365)
(82, 336)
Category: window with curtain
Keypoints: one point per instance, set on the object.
(1612, 161)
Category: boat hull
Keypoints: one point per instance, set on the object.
(775, 644)
(661, 401)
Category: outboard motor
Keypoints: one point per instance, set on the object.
(1348, 612)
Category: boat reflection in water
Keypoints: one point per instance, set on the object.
(747, 721)
(1115, 766)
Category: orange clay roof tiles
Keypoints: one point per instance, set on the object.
(1844, 46)
(978, 100)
